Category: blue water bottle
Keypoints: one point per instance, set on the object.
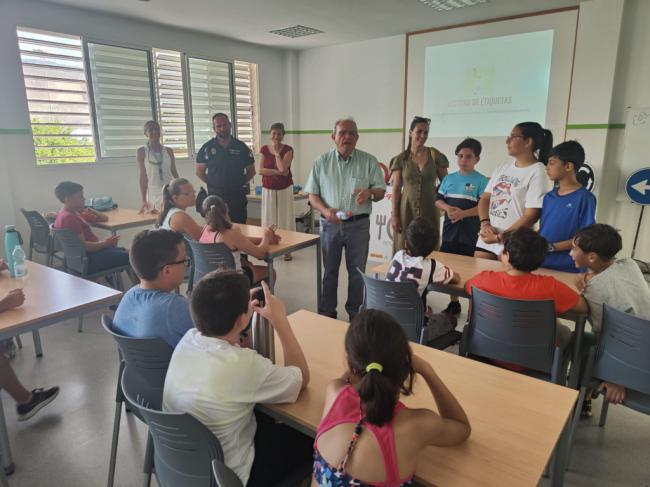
(12, 238)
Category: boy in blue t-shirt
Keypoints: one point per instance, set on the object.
(458, 197)
(567, 208)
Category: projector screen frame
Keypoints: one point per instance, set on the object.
(481, 22)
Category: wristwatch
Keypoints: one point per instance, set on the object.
(551, 248)
(372, 195)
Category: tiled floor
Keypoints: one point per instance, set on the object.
(68, 443)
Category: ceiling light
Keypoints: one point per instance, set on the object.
(445, 5)
(296, 31)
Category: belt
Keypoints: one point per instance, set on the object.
(355, 218)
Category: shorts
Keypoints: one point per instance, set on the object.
(458, 248)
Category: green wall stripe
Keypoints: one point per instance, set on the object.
(588, 126)
(15, 131)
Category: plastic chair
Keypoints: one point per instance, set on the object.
(207, 258)
(76, 261)
(400, 300)
(621, 357)
(521, 332)
(40, 237)
(183, 447)
(149, 358)
(224, 476)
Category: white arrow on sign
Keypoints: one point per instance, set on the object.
(642, 186)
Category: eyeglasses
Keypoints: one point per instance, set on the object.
(185, 261)
(421, 120)
(514, 136)
(192, 193)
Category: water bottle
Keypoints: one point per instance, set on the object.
(19, 261)
(343, 215)
(12, 238)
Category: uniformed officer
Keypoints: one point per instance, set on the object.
(226, 164)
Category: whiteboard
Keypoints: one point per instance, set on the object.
(636, 151)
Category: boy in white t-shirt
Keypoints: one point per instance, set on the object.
(414, 263)
(217, 381)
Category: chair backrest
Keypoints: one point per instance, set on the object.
(183, 447)
(148, 357)
(224, 476)
(40, 237)
(516, 331)
(399, 299)
(74, 252)
(622, 355)
(209, 257)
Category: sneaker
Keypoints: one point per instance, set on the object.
(586, 409)
(453, 308)
(40, 399)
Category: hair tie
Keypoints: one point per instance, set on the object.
(374, 366)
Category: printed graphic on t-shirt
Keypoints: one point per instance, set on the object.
(398, 272)
(502, 195)
(469, 188)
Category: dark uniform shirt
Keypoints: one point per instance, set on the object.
(227, 173)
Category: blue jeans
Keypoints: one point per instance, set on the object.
(354, 236)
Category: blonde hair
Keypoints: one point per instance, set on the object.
(169, 190)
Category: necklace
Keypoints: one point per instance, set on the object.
(157, 159)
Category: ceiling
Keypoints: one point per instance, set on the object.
(341, 20)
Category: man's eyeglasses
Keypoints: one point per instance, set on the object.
(185, 261)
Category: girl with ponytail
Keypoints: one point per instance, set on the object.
(514, 195)
(178, 195)
(367, 436)
(220, 229)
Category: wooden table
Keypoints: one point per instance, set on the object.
(121, 218)
(468, 267)
(51, 296)
(516, 420)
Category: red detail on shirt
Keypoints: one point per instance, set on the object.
(269, 162)
(75, 222)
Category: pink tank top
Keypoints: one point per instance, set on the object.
(345, 409)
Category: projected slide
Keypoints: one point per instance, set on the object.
(484, 87)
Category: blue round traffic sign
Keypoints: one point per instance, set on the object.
(637, 186)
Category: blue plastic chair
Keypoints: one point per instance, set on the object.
(184, 448)
(207, 258)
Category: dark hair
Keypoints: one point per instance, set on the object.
(416, 121)
(471, 144)
(569, 151)
(278, 126)
(220, 114)
(216, 214)
(149, 124)
(375, 336)
(151, 250)
(169, 190)
(526, 249)
(603, 240)
(65, 189)
(218, 300)
(421, 238)
(542, 139)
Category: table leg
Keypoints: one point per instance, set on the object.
(319, 280)
(37, 343)
(271, 281)
(5, 448)
(574, 375)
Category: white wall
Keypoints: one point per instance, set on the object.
(22, 184)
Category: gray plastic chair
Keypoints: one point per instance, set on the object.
(183, 447)
(149, 358)
(40, 237)
(76, 261)
(521, 332)
(224, 476)
(621, 357)
(400, 300)
(207, 258)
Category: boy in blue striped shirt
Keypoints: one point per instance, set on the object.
(458, 197)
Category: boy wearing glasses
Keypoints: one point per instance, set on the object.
(152, 308)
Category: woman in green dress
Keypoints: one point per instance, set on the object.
(416, 174)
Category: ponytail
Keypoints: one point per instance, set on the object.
(170, 190)
(379, 354)
(542, 139)
(216, 214)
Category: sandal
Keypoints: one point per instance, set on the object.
(586, 409)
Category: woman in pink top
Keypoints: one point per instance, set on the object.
(219, 229)
(367, 437)
(277, 182)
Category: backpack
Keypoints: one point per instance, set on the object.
(101, 203)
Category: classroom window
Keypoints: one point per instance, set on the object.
(246, 103)
(57, 97)
(170, 100)
(122, 96)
